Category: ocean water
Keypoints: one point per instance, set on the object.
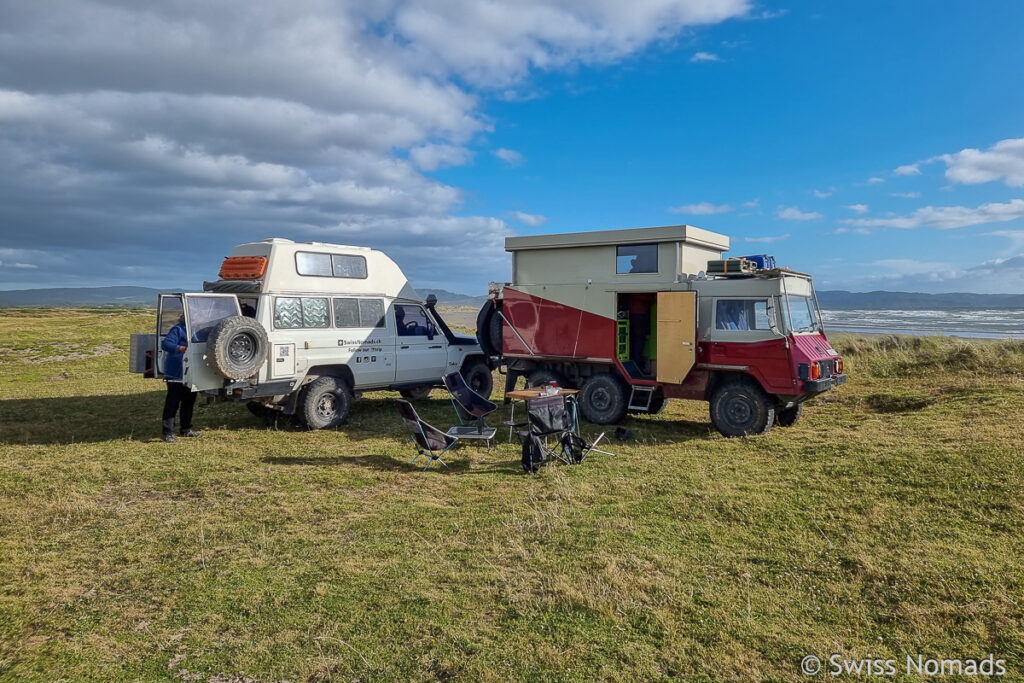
(959, 322)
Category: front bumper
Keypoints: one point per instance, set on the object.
(816, 386)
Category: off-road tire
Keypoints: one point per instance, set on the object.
(604, 399)
(325, 402)
(542, 376)
(788, 417)
(741, 408)
(416, 393)
(237, 347)
(488, 329)
(478, 376)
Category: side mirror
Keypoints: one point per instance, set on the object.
(431, 330)
(772, 320)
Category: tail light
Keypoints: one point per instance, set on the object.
(839, 365)
(815, 371)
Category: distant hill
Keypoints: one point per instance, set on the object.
(446, 298)
(915, 301)
(68, 297)
(132, 297)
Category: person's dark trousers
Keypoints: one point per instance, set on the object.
(178, 395)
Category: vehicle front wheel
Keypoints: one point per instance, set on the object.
(416, 393)
(789, 416)
(325, 403)
(478, 376)
(741, 408)
(603, 399)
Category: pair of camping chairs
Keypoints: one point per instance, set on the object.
(470, 406)
(554, 420)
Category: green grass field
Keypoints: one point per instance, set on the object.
(889, 521)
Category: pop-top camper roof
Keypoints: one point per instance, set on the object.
(686, 234)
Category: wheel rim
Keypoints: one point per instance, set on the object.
(738, 411)
(326, 405)
(600, 399)
(242, 348)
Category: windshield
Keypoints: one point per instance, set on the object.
(801, 314)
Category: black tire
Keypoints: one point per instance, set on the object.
(237, 347)
(416, 393)
(478, 376)
(542, 376)
(741, 408)
(483, 324)
(789, 416)
(604, 399)
(325, 402)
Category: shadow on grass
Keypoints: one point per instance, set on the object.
(377, 461)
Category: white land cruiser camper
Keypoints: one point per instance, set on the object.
(300, 327)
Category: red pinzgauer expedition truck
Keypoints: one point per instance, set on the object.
(635, 317)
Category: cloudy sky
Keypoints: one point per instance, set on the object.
(878, 145)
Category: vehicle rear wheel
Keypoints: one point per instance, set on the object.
(741, 408)
(478, 376)
(416, 393)
(542, 376)
(325, 403)
(237, 347)
(604, 399)
(789, 416)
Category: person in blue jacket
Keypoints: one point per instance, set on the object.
(178, 394)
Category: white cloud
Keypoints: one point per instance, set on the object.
(908, 169)
(905, 195)
(6, 264)
(858, 208)
(947, 217)
(1016, 237)
(701, 209)
(308, 120)
(509, 156)
(752, 204)
(1002, 161)
(792, 213)
(534, 220)
(431, 157)
(704, 57)
(767, 240)
(875, 180)
(822, 194)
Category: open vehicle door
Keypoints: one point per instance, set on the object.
(169, 311)
(677, 335)
(202, 313)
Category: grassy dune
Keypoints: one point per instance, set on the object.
(889, 521)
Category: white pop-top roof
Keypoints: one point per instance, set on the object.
(669, 233)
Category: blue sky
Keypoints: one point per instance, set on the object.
(877, 145)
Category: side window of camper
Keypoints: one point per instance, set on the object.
(741, 314)
(358, 313)
(308, 263)
(293, 312)
(346, 265)
(346, 313)
(371, 313)
(636, 258)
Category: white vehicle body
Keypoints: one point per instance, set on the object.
(328, 310)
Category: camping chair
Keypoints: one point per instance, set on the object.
(469, 405)
(551, 417)
(430, 441)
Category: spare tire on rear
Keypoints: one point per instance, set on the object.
(237, 347)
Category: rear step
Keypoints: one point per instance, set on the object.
(641, 396)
